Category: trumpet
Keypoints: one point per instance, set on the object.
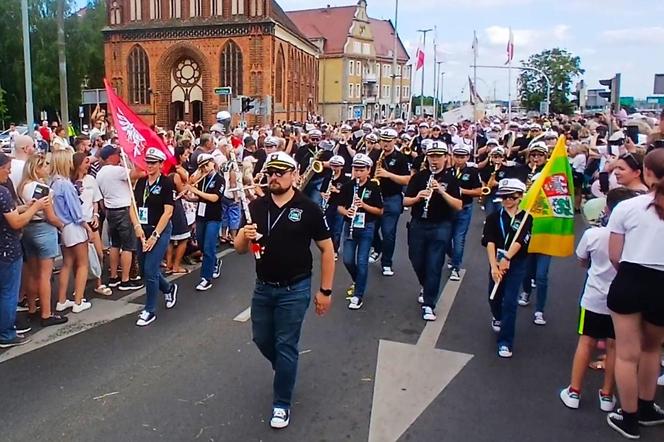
(379, 165)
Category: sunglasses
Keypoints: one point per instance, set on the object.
(278, 173)
(151, 163)
(631, 161)
(314, 139)
(512, 197)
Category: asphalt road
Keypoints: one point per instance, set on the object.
(195, 375)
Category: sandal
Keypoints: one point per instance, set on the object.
(182, 271)
(104, 290)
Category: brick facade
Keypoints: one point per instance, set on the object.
(202, 40)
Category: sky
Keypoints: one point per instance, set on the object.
(609, 36)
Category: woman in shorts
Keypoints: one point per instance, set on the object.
(636, 300)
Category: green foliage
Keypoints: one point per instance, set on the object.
(561, 67)
(3, 108)
(84, 50)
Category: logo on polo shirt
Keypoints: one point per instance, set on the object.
(156, 190)
(295, 215)
(392, 163)
(465, 177)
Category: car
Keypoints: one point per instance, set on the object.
(5, 144)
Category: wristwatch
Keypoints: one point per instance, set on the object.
(326, 292)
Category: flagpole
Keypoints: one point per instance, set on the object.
(475, 51)
(435, 65)
(509, 77)
(424, 47)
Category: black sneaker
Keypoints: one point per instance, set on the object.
(114, 282)
(651, 416)
(22, 306)
(54, 320)
(135, 278)
(130, 285)
(18, 340)
(22, 324)
(171, 296)
(617, 421)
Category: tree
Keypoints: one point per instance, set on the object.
(3, 108)
(561, 67)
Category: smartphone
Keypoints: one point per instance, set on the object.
(40, 192)
(632, 132)
(604, 182)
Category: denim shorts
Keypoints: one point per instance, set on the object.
(40, 240)
(230, 216)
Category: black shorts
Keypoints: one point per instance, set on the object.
(595, 325)
(638, 289)
(120, 230)
(577, 179)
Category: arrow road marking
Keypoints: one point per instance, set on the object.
(409, 377)
(244, 316)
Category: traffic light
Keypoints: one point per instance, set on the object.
(580, 95)
(247, 104)
(613, 94)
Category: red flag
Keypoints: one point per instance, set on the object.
(510, 48)
(133, 134)
(420, 59)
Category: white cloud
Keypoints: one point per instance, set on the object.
(529, 38)
(561, 32)
(647, 35)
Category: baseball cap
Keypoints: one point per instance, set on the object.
(509, 186)
(107, 151)
(154, 154)
(337, 161)
(281, 161)
(362, 160)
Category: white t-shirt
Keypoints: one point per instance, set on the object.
(579, 163)
(643, 230)
(594, 246)
(26, 196)
(89, 195)
(17, 172)
(112, 182)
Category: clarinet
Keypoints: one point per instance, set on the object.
(425, 212)
(326, 201)
(356, 189)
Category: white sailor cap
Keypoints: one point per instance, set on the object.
(509, 186)
(154, 154)
(388, 134)
(406, 137)
(497, 151)
(411, 128)
(315, 133)
(281, 161)
(461, 150)
(362, 160)
(367, 126)
(346, 128)
(398, 121)
(535, 126)
(271, 142)
(538, 146)
(424, 124)
(436, 148)
(492, 141)
(371, 137)
(495, 128)
(204, 158)
(337, 161)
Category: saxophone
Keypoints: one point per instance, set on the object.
(316, 166)
(379, 165)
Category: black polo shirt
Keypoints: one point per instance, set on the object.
(466, 178)
(396, 163)
(502, 173)
(260, 156)
(307, 153)
(154, 197)
(438, 210)
(336, 183)
(342, 151)
(500, 228)
(213, 183)
(287, 243)
(522, 172)
(370, 194)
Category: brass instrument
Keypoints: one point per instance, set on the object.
(379, 165)
(486, 189)
(406, 150)
(316, 166)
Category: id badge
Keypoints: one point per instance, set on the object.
(143, 215)
(359, 221)
(201, 209)
(500, 254)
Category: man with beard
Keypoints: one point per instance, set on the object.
(285, 222)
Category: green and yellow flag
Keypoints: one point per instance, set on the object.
(550, 201)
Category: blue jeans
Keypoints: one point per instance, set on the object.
(207, 233)
(313, 190)
(10, 281)
(150, 264)
(490, 206)
(427, 243)
(335, 221)
(504, 305)
(460, 227)
(276, 321)
(356, 255)
(387, 226)
(538, 269)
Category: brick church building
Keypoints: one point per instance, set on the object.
(166, 57)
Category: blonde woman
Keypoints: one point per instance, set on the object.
(75, 233)
(40, 241)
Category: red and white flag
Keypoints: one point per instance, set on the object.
(419, 55)
(134, 136)
(510, 48)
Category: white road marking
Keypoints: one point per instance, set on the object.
(243, 316)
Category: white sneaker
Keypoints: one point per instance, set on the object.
(538, 319)
(217, 268)
(454, 276)
(355, 303)
(504, 351)
(203, 285)
(606, 403)
(373, 257)
(280, 418)
(83, 306)
(387, 271)
(495, 325)
(145, 318)
(524, 299)
(660, 381)
(64, 306)
(420, 299)
(427, 314)
(569, 398)
(533, 284)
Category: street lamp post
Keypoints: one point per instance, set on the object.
(29, 110)
(424, 47)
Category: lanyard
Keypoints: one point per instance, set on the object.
(206, 186)
(458, 173)
(270, 224)
(149, 189)
(502, 224)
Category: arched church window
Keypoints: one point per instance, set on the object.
(231, 67)
(139, 76)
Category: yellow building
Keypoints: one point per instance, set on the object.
(355, 73)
